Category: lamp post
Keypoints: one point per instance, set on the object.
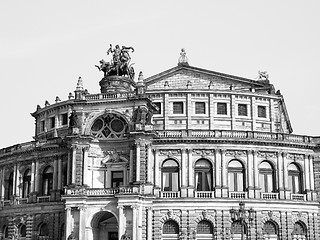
(242, 215)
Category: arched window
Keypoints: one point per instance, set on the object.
(47, 181)
(109, 126)
(204, 230)
(236, 176)
(5, 232)
(299, 231)
(203, 175)
(269, 228)
(26, 183)
(43, 230)
(9, 190)
(237, 228)
(266, 177)
(170, 176)
(294, 178)
(170, 230)
(23, 231)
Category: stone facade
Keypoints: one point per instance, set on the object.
(167, 157)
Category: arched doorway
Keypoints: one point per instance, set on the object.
(104, 226)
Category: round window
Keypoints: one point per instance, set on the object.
(117, 125)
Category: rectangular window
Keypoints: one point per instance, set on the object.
(158, 104)
(52, 122)
(116, 179)
(64, 119)
(200, 108)
(262, 111)
(222, 109)
(178, 108)
(242, 110)
(42, 126)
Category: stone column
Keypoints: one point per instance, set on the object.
(313, 193)
(15, 180)
(250, 173)
(149, 224)
(122, 222)
(150, 164)
(190, 174)
(36, 181)
(68, 222)
(280, 176)
(69, 167)
(224, 180)
(211, 111)
(2, 183)
(306, 172)
(134, 222)
(286, 176)
(85, 165)
(184, 172)
(137, 161)
(218, 173)
(59, 187)
(166, 111)
(82, 222)
(256, 175)
(131, 166)
(55, 179)
(74, 164)
(157, 172)
(253, 113)
(233, 111)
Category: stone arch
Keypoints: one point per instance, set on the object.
(270, 161)
(169, 216)
(97, 216)
(237, 159)
(210, 160)
(272, 218)
(172, 158)
(205, 216)
(300, 218)
(89, 122)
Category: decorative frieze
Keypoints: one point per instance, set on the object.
(203, 152)
(266, 155)
(295, 156)
(169, 153)
(236, 153)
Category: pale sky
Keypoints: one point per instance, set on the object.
(46, 45)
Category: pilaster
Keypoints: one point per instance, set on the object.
(250, 173)
(184, 172)
(218, 173)
(190, 173)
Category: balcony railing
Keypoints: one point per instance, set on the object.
(298, 197)
(270, 196)
(22, 200)
(43, 199)
(238, 195)
(223, 134)
(102, 191)
(169, 194)
(204, 194)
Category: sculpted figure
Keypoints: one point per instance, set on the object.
(183, 57)
(125, 236)
(263, 75)
(72, 236)
(73, 119)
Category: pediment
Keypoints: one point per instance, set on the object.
(192, 78)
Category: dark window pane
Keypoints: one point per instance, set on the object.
(242, 110)
(269, 228)
(262, 112)
(158, 104)
(23, 231)
(64, 118)
(204, 227)
(200, 108)
(52, 122)
(178, 108)
(116, 179)
(222, 108)
(170, 227)
(42, 125)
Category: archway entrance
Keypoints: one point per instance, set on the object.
(104, 226)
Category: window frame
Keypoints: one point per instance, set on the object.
(203, 173)
(236, 171)
(200, 106)
(47, 181)
(264, 172)
(243, 110)
(171, 171)
(159, 105)
(175, 105)
(225, 108)
(118, 181)
(264, 115)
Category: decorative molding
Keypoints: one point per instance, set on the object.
(169, 153)
(266, 155)
(295, 156)
(236, 153)
(203, 152)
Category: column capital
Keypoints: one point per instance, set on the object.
(86, 148)
(67, 209)
(74, 147)
(120, 207)
(82, 208)
(136, 206)
(284, 154)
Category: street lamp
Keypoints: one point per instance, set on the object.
(242, 215)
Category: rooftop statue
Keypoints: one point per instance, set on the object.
(120, 63)
(183, 60)
(263, 75)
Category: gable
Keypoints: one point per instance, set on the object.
(196, 79)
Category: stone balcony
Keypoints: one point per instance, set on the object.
(109, 192)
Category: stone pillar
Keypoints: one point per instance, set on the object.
(149, 223)
(313, 193)
(157, 172)
(189, 111)
(82, 222)
(211, 111)
(139, 219)
(233, 111)
(190, 173)
(74, 164)
(150, 164)
(36, 181)
(166, 111)
(184, 172)
(137, 161)
(256, 175)
(69, 167)
(59, 187)
(250, 173)
(15, 180)
(224, 174)
(253, 114)
(306, 172)
(218, 173)
(134, 222)
(131, 166)
(85, 180)
(280, 176)
(286, 176)
(68, 222)
(55, 179)
(122, 222)
(2, 187)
